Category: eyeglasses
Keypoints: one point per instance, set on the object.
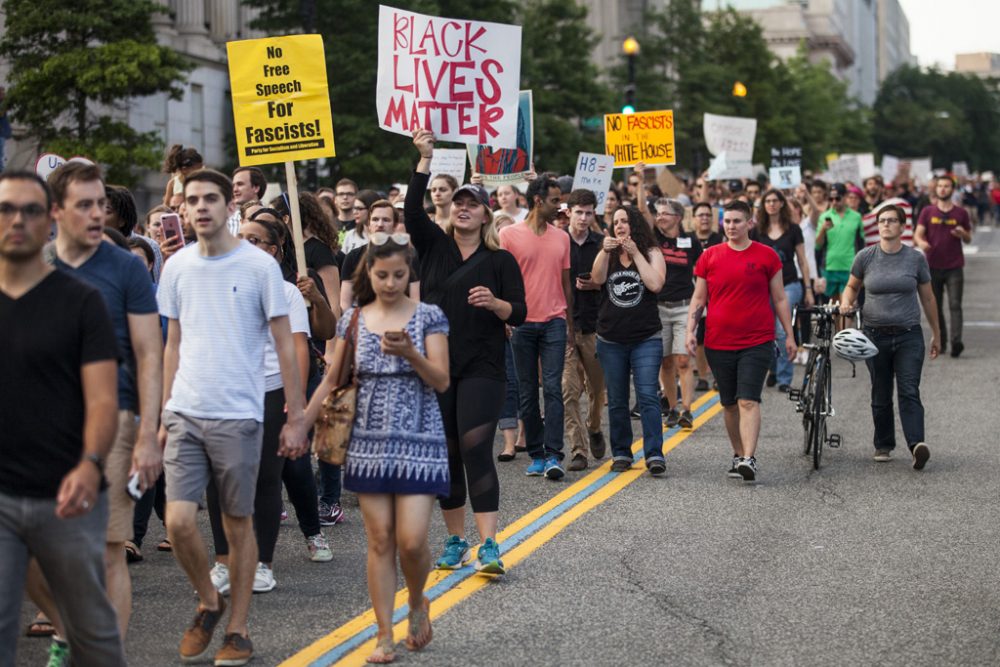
(253, 240)
(28, 211)
(835, 197)
(772, 201)
(346, 194)
(381, 238)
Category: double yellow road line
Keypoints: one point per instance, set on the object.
(352, 642)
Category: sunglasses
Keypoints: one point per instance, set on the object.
(835, 197)
(381, 238)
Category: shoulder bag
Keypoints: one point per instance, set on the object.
(332, 432)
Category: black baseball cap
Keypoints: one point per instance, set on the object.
(839, 189)
(477, 191)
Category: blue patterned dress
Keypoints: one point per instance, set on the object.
(398, 443)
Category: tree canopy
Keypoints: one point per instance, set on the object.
(74, 70)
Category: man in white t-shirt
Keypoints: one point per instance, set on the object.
(221, 296)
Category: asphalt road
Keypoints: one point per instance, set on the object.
(856, 564)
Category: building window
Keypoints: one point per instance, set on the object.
(198, 117)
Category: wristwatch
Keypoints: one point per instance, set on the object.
(96, 460)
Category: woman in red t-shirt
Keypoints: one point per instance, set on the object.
(741, 279)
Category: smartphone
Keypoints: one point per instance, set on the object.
(133, 490)
(172, 226)
(395, 336)
(583, 276)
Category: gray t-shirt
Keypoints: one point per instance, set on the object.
(891, 285)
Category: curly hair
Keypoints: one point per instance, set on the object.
(179, 157)
(638, 229)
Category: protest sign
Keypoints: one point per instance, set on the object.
(960, 169)
(593, 172)
(457, 78)
(785, 178)
(866, 165)
(890, 166)
(508, 166)
(281, 101)
(646, 136)
(47, 163)
(731, 135)
(920, 169)
(845, 169)
(786, 156)
(723, 167)
(449, 161)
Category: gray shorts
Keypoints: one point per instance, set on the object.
(674, 323)
(226, 450)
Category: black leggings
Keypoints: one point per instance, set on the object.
(470, 409)
(267, 500)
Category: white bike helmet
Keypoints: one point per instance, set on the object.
(853, 345)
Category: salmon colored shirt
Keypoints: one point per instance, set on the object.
(542, 260)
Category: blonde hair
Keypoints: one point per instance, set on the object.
(489, 233)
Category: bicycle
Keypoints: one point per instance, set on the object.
(814, 400)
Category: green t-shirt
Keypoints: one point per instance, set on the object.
(840, 238)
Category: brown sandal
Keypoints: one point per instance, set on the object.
(419, 618)
(386, 648)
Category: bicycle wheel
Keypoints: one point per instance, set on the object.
(821, 383)
(806, 401)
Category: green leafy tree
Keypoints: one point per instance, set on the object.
(74, 70)
(950, 116)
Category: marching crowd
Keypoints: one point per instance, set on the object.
(179, 360)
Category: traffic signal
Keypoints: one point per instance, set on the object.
(629, 106)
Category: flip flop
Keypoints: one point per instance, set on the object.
(132, 553)
(40, 627)
(388, 649)
(164, 546)
(417, 618)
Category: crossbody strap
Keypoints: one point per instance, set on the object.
(464, 270)
(345, 372)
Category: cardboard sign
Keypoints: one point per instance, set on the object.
(593, 172)
(449, 161)
(457, 78)
(646, 136)
(731, 135)
(508, 166)
(785, 178)
(281, 101)
(786, 156)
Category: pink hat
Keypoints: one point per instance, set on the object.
(855, 190)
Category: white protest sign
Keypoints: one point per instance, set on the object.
(731, 135)
(785, 178)
(845, 169)
(593, 172)
(960, 169)
(723, 166)
(920, 170)
(866, 165)
(449, 161)
(890, 167)
(456, 77)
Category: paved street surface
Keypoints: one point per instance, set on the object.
(856, 564)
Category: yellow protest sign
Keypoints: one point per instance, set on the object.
(646, 136)
(281, 101)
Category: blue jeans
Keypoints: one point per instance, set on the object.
(642, 361)
(785, 367)
(70, 553)
(900, 358)
(546, 342)
(508, 415)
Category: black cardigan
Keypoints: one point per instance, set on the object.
(476, 336)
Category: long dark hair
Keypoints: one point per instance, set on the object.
(313, 218)
(178, 157)
(638, 229)
(784, 214)
(364, 292)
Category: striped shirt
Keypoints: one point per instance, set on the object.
(224, 305)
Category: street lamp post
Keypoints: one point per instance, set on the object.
(630, 47)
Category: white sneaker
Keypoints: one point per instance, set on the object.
(748, 469)
(883, 455)
(263, 579)
(319, 549)
(220, 578)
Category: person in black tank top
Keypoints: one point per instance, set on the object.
(632, 270)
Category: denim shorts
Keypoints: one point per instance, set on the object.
(740, 374)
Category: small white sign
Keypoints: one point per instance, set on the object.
(593, 172)
(785, 178)
(449, 161)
